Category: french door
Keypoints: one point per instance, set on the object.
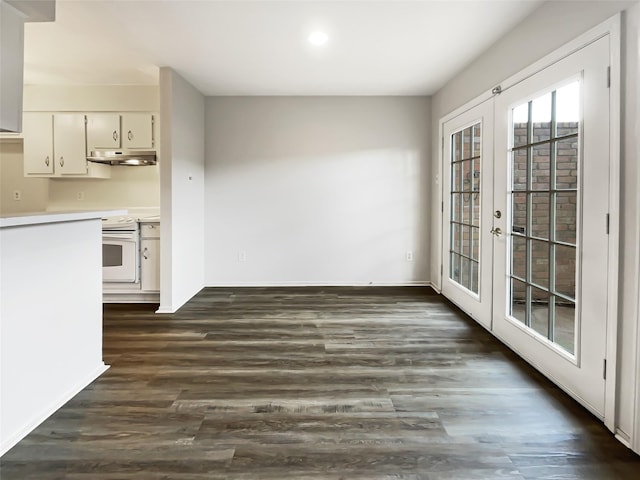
(468, 176)
(550, 287)
(542, 246)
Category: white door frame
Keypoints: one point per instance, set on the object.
(635, 429)
(611, 27)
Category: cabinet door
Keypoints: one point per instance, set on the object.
(69, 144)
(150, 264)
(150, 230)
(103, 131)
(137, 130)
(37, 131)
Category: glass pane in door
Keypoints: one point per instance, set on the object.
(464, 219)
(543, 195)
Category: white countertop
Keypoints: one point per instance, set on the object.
(149, 219)
(36, 218)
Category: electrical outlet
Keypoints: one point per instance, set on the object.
(242, 256)
(409, 256)
(80, 196)
(17, 195)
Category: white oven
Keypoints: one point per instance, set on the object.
(120, 250)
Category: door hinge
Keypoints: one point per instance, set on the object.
(496, 90)
(442, 206)
(441, 270)
(607, 223)
(604, 369)
(608, 77)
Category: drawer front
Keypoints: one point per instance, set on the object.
(150, 230)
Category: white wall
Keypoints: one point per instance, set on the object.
(128, 187)
(34, 191)
(182, 191)
(317, 190)
(548, 28)
(91, 98)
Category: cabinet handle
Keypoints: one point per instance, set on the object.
(115, 136)
(130, 135)
(46, 161)
(144, 253)
(62, 161)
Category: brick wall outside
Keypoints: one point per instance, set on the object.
(565, 224)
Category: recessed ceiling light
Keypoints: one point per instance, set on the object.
(318, 38)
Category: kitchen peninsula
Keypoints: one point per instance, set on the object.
(50, 314)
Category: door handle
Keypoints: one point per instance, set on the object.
(497, 232)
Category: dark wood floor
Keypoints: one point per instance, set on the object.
(334, 383)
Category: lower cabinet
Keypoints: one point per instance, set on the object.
(150, 257)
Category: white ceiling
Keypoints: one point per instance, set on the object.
(260, 47)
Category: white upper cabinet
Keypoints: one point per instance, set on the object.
(137, 130)
(119, 130)
(37, 131)
(69, 144)
(55, 146)
(103, 131)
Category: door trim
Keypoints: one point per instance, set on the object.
(633, 438)
(612, 28)
(614, 222)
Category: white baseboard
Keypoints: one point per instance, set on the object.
(165, 309)
(435, 287)
(175, 306)
(623, 438)
(39, 417)
(137, 297)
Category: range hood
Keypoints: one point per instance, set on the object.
(132, 158)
